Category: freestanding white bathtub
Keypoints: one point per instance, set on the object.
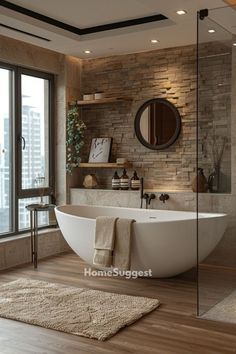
(163, 241)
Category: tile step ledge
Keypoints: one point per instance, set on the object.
(27, 235)
(149, 191)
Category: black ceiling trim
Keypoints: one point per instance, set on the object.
(36, 15)
(122, 24)
(79, 31)
(24, 32)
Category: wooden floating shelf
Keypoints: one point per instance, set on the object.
(102, 101)
(104, 165)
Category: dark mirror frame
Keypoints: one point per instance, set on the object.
(138, 118)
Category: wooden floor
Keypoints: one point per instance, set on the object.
(172, 329)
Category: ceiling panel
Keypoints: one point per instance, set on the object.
(89, 13)
(177, 31)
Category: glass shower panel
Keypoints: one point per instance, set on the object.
(217, 158)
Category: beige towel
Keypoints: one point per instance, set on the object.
(122, 248)
(104, 240)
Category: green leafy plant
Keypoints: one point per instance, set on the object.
(74, 141)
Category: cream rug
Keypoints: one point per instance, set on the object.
(224, 311)
(83, 312)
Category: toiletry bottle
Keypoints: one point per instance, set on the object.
(135, 182)
(199, 183)
(124, 181)
(115, 182)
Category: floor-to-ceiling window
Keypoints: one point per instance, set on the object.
(26, 143)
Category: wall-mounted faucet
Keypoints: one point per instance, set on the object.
(145, 196)
(163, 197)
(142, 196)
(150, 198)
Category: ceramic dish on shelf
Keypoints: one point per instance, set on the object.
(88, 97)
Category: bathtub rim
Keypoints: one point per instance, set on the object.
(199, 216)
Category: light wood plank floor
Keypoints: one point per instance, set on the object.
(173, 329)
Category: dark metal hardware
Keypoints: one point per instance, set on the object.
(22, 140)
(150, 198)
(203, 13)
(141, 192)
(163, 197)
(146, 198)
(34, 209)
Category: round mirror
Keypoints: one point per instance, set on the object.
(157, 124)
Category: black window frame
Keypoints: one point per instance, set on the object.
(17, 193)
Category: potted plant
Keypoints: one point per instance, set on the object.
(74, 139)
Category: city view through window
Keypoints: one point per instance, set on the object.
(34, 145)
(5, 153)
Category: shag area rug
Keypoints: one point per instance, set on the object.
(224, 311)
(83, 312)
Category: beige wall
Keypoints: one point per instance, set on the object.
(20, 53)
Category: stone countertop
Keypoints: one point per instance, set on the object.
(150, 191)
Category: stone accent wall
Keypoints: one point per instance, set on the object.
(169, 74)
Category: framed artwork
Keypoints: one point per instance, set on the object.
(100, 150)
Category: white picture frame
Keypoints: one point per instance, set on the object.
(100, 150)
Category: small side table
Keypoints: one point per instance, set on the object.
(34, 209)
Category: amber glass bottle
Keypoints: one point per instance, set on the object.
(115, 181)
(124, 181)
(135, 182)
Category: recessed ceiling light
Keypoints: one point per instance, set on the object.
(211, 31)
(87, 51)
(154, 41)
(234, 44)
(181, 12)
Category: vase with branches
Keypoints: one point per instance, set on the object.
(75, 128)
(218, 148)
